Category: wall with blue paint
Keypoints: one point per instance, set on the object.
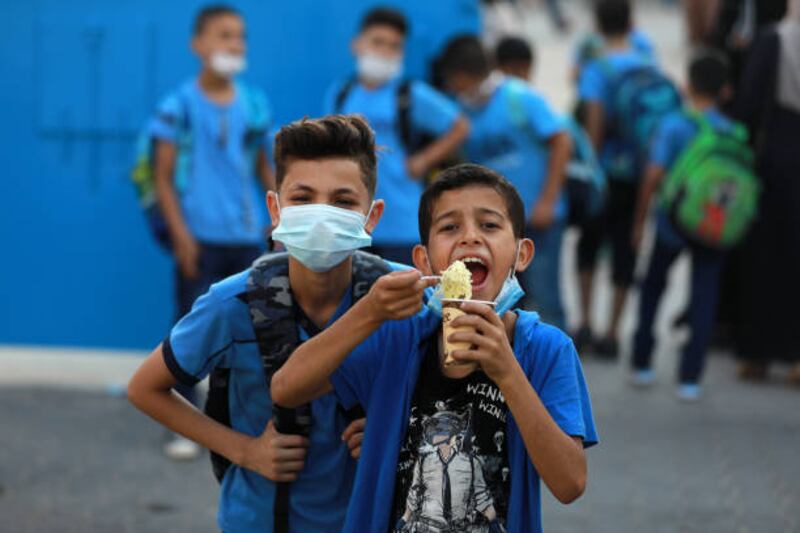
(77, 266)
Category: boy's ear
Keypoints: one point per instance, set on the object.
(419, 255)
(273, 208)
(526, 252)
(375, 216)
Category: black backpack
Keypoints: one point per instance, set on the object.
(275, 317)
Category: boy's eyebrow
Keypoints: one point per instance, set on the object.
(446, 214)
(345, 190)
(302, 187)
(488, 211)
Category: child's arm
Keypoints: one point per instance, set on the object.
(560, 148)
(595, 124)
(275, 456)
(184, 245)
(306, 375)
(433, 154)
(558, 458)
(652, 180)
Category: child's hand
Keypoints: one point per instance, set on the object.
(492, 350)
(353, 435)
(543, 214)
(187, 255)
(397, 295)
(416, 166)
(276, 456)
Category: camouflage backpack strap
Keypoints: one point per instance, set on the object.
(272, 313)
(367, 268)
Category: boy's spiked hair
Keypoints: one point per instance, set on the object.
(470, 175)
(209, 12)
(344, 136)
(708, 73)
(385, 16)
(613, 16)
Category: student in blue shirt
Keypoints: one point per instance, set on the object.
(595, 91)
(209, 146)
(515, 132)
(708, 75)
(324, 210)
(403, 114)
(457, 447)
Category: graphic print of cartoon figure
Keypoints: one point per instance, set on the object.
(713, 223)
(448, 492)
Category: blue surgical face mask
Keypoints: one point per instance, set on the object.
(510, 293)
(321, 236)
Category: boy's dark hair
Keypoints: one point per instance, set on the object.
(708, 73)
(346, 136)
(513, 49)
(464, 54)
(207, 13)
(470, 175)
(613, 16)
(385, 16)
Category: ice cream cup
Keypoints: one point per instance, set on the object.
(451, 309)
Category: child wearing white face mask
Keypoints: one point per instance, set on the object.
(209, 160)
(419, 127)
(241, 330)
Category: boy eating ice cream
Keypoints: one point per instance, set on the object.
(452, 448)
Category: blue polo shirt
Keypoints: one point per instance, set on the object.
(509, 134)
(218, 333)
(381, 375)
(671, 138)
(221, 199)
(431, 113)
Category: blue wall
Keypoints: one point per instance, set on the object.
(78, 80)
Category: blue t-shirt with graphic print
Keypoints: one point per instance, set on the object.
(221, 200)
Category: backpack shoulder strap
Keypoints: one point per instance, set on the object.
(367, 268)
(343, 93)
(404, 114)
(269, 299)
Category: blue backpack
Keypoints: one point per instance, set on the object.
(143, 176)
(641, 97)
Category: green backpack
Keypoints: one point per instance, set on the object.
(711, 193)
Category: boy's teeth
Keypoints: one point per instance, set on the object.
(473, 260)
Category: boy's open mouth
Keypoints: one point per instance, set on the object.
(478, 269)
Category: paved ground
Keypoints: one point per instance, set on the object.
(74, 456)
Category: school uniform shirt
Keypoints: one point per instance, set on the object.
(671, 138)
(221, 199)
(509, 134)
(431, 113)
(453, 455)
(595, 84)
(218, 334)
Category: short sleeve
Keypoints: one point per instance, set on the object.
(431, 111)
(592, 84)
(200, 340)
(668, 141)
(164, 125)
(544, 121)
(565, 395)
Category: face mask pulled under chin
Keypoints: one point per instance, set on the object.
(227, 65)
(510, 293)
(378, 69)
(321, 236)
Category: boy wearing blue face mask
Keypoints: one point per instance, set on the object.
(417, 126)
(454, 448)
(208, 147)
(244, 327)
